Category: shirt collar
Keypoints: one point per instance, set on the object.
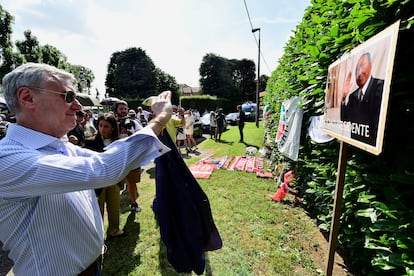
(364, 88)
(31, 138)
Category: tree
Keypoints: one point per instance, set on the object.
(263, 82)
(131, 74)
(216, 76)
(110, 83)
(231, 79)
(8, 59)
(6, 19)
(244, 78)
(30, 50)
(84, 77)
(30, 47)
(52, 56)
(164, 82)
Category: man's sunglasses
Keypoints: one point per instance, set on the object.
(70, 95)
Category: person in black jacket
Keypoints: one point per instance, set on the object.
(78, 129)
(220, 120)
(362, 107)
(241, 118)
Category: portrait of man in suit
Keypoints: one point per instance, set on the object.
(362, 106)
(358, 88)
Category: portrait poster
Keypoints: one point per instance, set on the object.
(357, 92)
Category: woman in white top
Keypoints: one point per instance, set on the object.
(189, 130)
(213, 125)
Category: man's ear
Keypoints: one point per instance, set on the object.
(25, 97)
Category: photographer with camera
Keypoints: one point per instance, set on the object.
(126, 128)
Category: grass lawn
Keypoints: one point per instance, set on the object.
(260, 237)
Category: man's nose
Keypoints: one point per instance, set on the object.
(76, 105)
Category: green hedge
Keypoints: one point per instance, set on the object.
(377, 222)
(206, 102)
(200, 102)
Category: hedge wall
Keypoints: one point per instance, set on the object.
(206, 102)
(377, 222)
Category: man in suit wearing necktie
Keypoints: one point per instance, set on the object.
(362, 108)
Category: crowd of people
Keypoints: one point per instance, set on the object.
(217, 123)
(182, 128)
(96, 134)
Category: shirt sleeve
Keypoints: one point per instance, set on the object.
(33, 172)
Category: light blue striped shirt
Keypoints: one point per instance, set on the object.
(49, 216)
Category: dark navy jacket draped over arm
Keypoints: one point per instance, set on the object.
(183, 212)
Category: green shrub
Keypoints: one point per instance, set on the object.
(377, 218)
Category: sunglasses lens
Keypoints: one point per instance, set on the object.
(70, 96)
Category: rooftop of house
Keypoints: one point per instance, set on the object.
(187, 90)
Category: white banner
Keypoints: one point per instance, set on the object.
(315, 130)
(288, 133)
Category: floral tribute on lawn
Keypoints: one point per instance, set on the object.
(205, 167)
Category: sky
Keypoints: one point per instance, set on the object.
(175, 34)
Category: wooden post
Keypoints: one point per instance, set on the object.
(337, 211)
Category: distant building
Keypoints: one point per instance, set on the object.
(186, 90)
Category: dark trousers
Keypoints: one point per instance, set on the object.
(241, 126)
(95, 269)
